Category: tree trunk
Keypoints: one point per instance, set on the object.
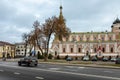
(46, 49)
(25, 49)
(40, 48)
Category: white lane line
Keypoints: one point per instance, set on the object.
(1, 70)
(39, 78)
(81, 67)
(70, 66)
(80, 74)
(16, 73)
(108, 71)
(75, 67)
(54, 68)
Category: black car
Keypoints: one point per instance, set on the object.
(117, 61)
(29, 61)
(94, 59)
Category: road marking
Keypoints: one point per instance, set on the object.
(16, 73)
(39, 77)
(108, 71)
(1, 70)
(70, 66)
(81, 67)
(54, 68)
(74, 67)
(80, 74)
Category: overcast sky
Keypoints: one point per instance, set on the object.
(17, 16)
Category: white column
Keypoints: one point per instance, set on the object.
(107, 48)
(60, 48)
(115, 48)
(75, 48)
(67, 48)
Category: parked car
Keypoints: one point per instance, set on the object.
(117, 61)
(105, 59)
(29, 61)
(69, 59)
(94, 58)
(86, 58)
(113, 59)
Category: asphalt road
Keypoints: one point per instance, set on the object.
(11, 71)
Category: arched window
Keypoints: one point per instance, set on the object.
(64, 50)
(102, 38)
(94, 38)
(71, 50)
(80, 39)
(95, 50)
(79, 50)
(110, 38)
(87, 38)
(103, 49)
(111, 50)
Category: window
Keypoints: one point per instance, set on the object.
(102, 38)
(111, 50)
(8, 48)
(64, 50)
(79, 50)
(80, 39)
(95, 50)
(110, 38)
(94, 38)
(71, 50)
(87, 38)
(103, 49)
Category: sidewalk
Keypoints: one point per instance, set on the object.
(11, 60)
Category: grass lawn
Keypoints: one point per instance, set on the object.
(82, 62)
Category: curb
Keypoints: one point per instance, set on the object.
(70, 64)
(83, 65)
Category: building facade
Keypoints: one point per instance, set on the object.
(92, 43)
(7, 50)
(19, 49)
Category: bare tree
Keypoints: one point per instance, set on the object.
(25, 39)
(57, 27)
(41, 34)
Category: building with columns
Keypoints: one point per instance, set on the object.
(91, 43)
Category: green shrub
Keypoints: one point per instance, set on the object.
(39, 56)
(50, 56)
(58, 57)
(66, 56)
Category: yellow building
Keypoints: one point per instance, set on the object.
(7, 50)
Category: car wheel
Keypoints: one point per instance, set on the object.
(19, 64)
(28, 64)
(35, 64)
